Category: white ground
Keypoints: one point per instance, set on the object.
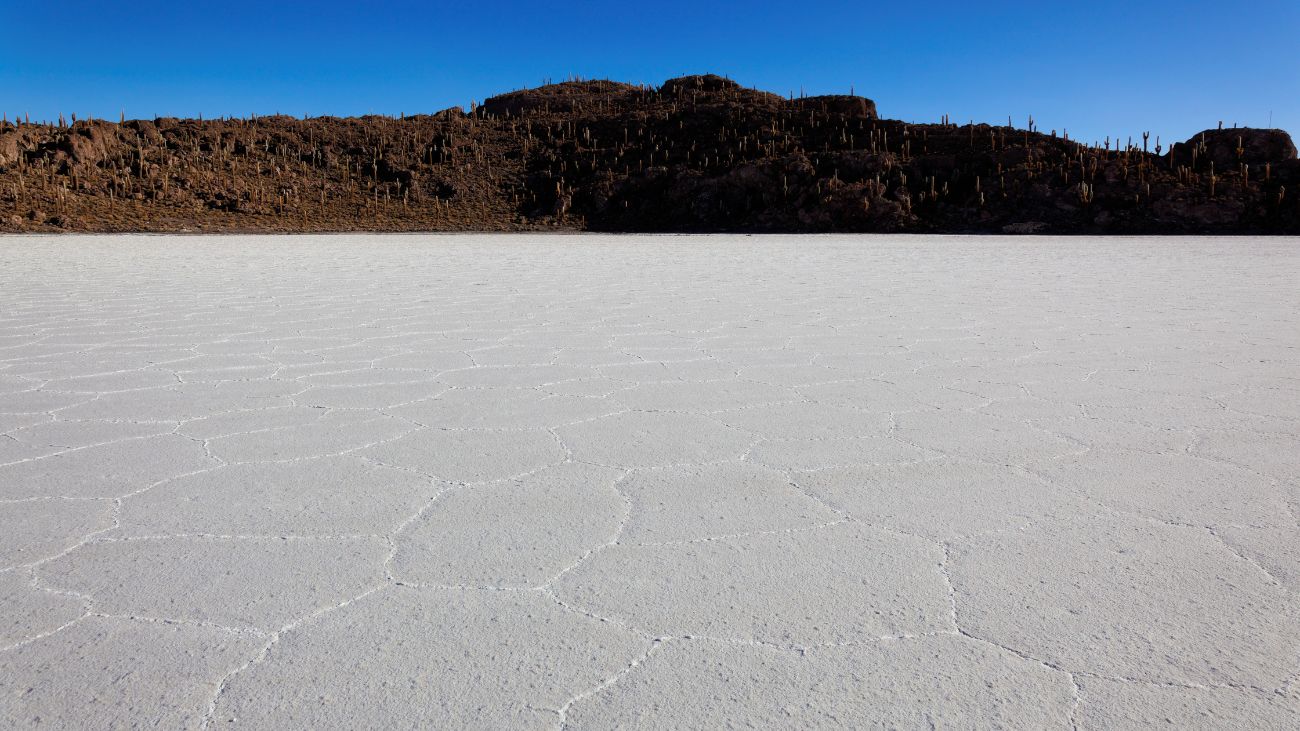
(670, 482)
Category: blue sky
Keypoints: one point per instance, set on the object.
(1099, 68)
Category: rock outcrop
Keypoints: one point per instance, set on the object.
(699, 153)
(1228, 148)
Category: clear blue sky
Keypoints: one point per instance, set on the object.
(1101, 67)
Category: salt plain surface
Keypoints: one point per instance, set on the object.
(656, 482)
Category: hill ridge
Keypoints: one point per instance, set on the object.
(695, 154)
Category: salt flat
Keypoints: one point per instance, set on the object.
(657, 482)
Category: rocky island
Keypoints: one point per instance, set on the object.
(696, 154)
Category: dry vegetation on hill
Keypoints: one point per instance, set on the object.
(698, 153)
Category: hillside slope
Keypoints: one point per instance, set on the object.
(698, 153)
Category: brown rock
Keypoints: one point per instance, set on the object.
(698, 83)
(567, 96)
(856, 107)
(1023, 228)
(1228, 148)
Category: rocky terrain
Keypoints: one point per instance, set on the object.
(699, 153)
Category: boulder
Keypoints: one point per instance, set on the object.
(449, 114)
(1227, 148)
(8, 147)
(697, 83)
(87, 142)
(701, 87)
(857, 107)
(1024, 228)
(567, 96)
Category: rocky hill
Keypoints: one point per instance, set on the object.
(699, 153)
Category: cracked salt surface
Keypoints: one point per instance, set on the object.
(690, 482)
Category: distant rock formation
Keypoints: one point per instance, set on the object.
(852, 107)
(563, 98)
(1227, 148)
(698, 153)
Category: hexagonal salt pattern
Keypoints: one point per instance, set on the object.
(915, 683)
(513, 533)
(113, 672)
(846, 582)
(428, 658)
(1155, 602)
(653, 482)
